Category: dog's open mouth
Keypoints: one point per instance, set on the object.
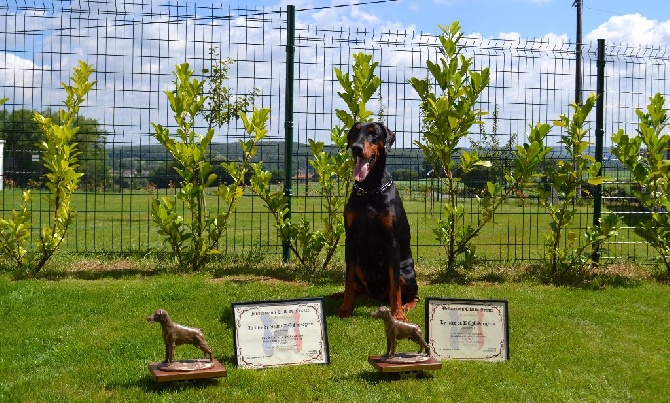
(362, 167)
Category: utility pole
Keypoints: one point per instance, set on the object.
(578, 53)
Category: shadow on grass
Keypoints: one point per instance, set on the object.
(334, 301)
(92, 274)
(374, 377)
(89, 267)
(625, 275)
(595, 278)
(282, 272)
(148, 384)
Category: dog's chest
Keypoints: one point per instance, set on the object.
(365, 216)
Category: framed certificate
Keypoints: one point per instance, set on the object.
(467, 329)
(283, 332)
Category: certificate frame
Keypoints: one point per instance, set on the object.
(280, 332)
(467, 329)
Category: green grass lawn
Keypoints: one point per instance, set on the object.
(120, 223)
(77, 339)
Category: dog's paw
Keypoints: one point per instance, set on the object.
(400, 316)
(410, 305)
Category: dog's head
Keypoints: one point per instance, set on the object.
(159, 316)
(369, 143)
(382, 313)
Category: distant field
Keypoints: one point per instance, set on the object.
(120, 223)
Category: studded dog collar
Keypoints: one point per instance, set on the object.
(359, 191)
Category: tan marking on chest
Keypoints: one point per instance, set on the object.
(350, 217)
(386, 220)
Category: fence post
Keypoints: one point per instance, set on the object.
(2, 163)
(288, 119)
(600, 131)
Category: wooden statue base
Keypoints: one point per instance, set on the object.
(405, 370)
(216, 371)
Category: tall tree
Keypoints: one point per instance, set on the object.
(21, 134)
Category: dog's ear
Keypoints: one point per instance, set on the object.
(354, 129)
(390, 137)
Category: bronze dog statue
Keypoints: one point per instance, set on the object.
(175, 335)
(398, 330)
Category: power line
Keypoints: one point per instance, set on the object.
(347, 5)
(603, 11)
(363, 3)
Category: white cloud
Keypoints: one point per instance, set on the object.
(366, 18)
(633, 29)
(135, 64)
(13, 70)
(19, 80)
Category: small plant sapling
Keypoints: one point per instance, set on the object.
(195, 237)
(59, 157)
(314, 248)
(567, 253)
(646, 157)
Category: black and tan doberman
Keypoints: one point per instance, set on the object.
(377, 248)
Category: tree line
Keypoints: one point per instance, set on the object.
(108, 166)
(22, 162)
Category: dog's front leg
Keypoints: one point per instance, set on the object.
(394, 343)
(347, 307)
(171, 352)
(388, 346)
(395, 295)
(167, 353)
(421, 345)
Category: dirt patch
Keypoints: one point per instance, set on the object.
(625, 271)
(96, 264)
(243, 279)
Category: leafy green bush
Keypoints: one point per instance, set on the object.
(59, 158)
(646, 156)
(195, 237)
(313, 248)
(567, 253)
(448, 119)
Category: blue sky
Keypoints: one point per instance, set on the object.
(529, 18)
(642, 21)
(633, 22)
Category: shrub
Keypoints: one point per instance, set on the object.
(194, 237)
(567, 253)
(448, 119)
(645, 155)
(59, 158)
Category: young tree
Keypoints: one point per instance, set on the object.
(565, 179)
(315, 248)
(195, 237)
(448, 119)
(60, 158)
(646, 156)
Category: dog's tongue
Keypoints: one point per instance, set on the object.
(361, 169)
